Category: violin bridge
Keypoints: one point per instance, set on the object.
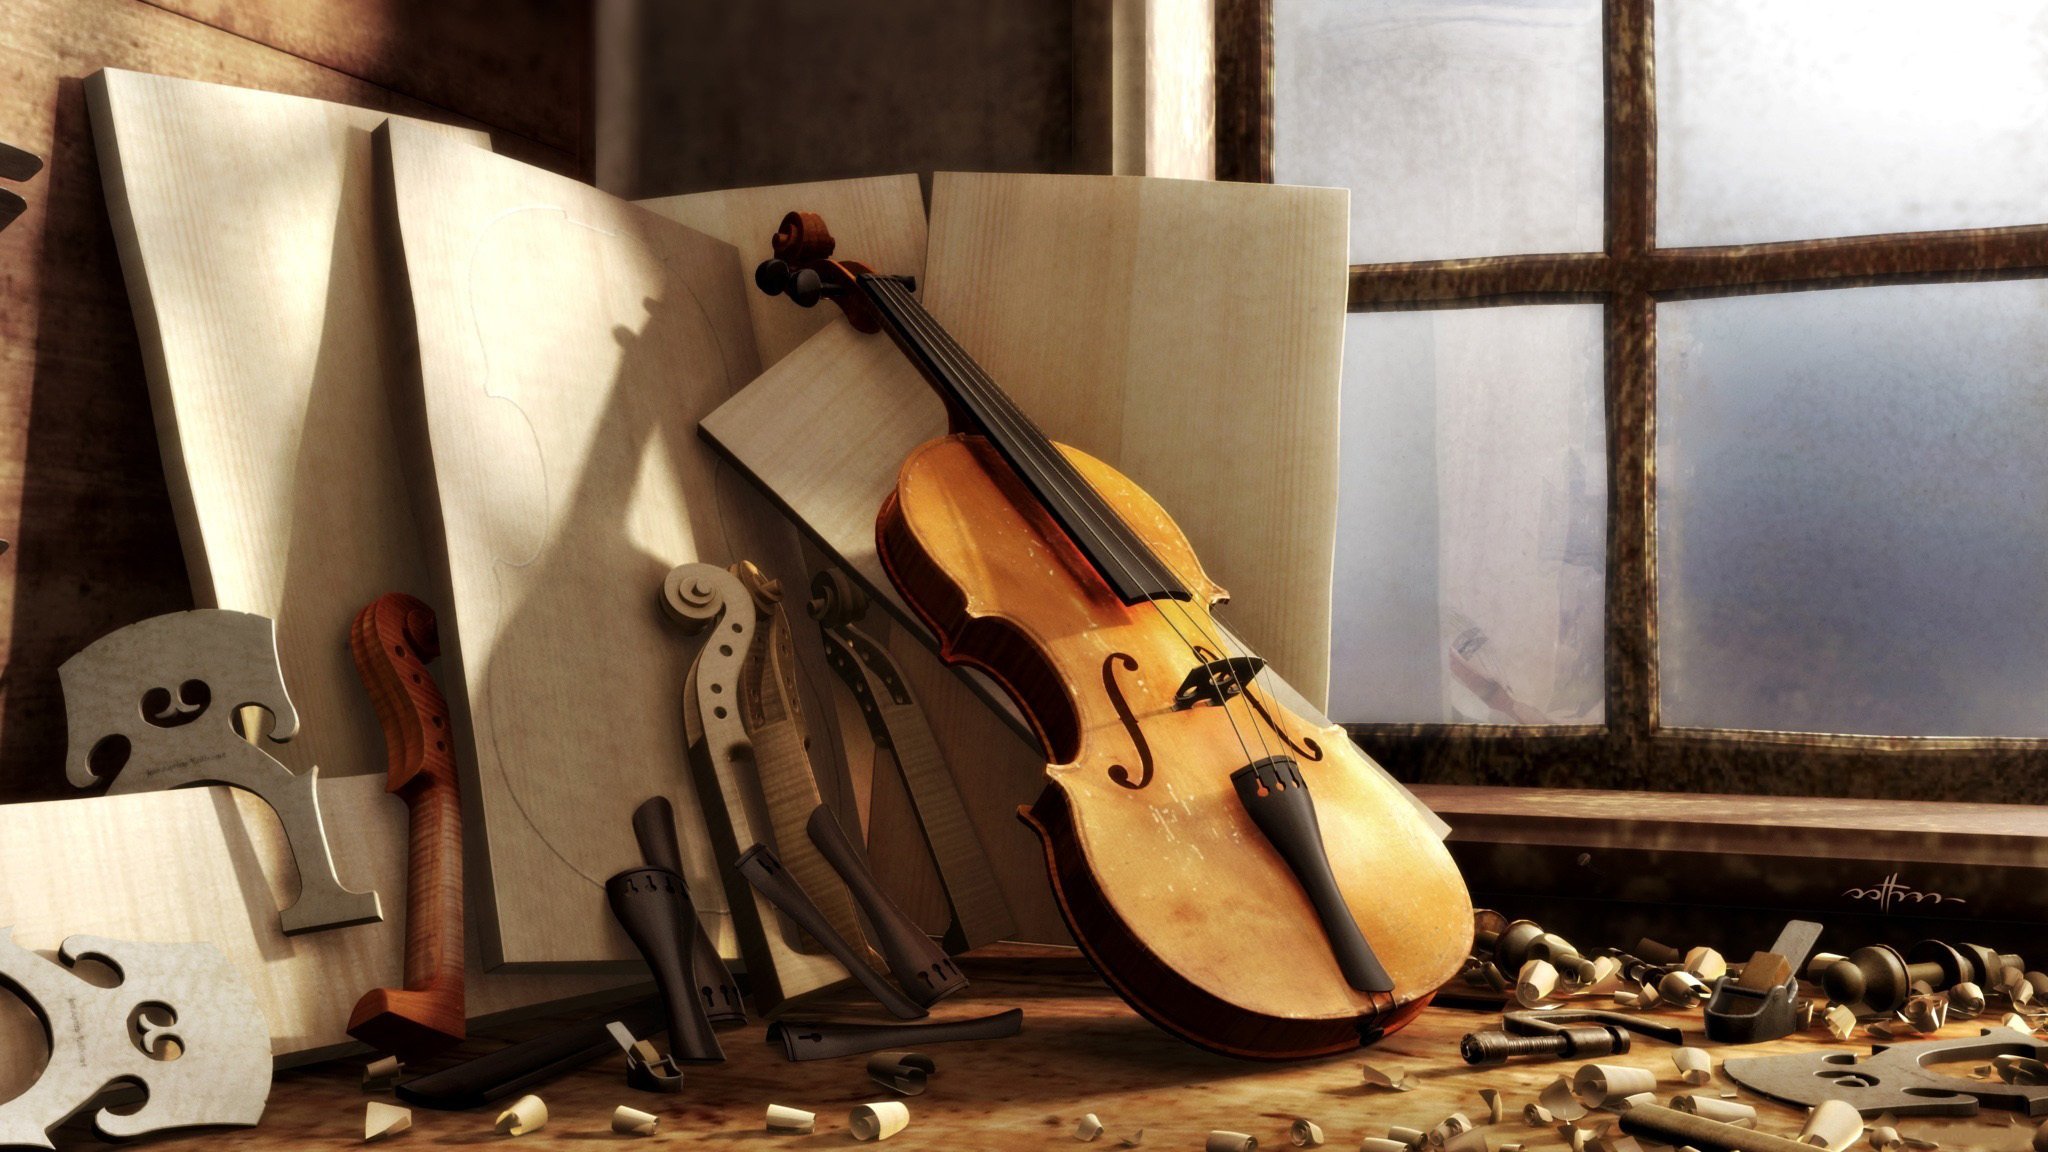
(1273, 791)
(1217, 681)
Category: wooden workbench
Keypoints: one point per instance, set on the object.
(1082, 1051)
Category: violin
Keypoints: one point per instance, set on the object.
(1244, 879)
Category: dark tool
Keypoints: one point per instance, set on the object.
(925, 972)
(654, 826)
(1758, 1005)
(766, 873)
(647, 1070)
(903, 1073)
(517, 1067)
(1683, 1129)
(1877, 979)
(825, 1039)
(1895, 1078)
(1562, 1034)
(653, 906)
(1510, 947)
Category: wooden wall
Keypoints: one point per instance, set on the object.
(698, 96)
(82, 494)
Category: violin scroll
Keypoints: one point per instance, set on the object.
(803, 269)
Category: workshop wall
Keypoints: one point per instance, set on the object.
(83, 502)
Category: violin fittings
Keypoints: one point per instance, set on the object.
(926, 973)
(654, 827)
(765, 872)
(1273, 791)
(653, 906)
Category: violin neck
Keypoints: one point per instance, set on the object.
(1123, 560)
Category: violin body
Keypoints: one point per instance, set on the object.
(1163, 877)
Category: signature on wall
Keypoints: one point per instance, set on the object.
(1889, 892)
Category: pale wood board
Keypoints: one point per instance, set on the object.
(882, 216)
(245, 226)
(1190, 333)
(881, 222)
(212, 864)
(568, 344)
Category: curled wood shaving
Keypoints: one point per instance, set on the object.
(1374, 1078)
(1491, 1099)
(1841, 1021)
(1558, 1100)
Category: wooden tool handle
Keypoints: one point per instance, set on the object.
(392, 641)
(925, 972)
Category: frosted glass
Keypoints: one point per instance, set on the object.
(1797, 119)
(1462, 128)
(1471, 518)
(1852, 495)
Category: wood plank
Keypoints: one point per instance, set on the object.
(568, 344)
(212, 865)
(1189, 332)
(245, 222)
(524, 67)
(83, 498)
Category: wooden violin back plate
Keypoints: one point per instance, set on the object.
(1159, 869)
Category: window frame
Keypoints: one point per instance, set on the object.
(1629, 277)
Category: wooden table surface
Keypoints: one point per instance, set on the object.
(1082, 1050)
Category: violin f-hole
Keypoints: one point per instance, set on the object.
(1118, 772)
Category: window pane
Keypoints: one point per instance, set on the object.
(1852, 494)
(1471, 518)
(1794, 119)
(1462, 129)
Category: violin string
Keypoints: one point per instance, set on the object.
(1026, 436)
(1084, 493)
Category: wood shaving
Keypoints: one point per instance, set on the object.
(1558, 1100)
(1491, 1099)
(633, 1122)
(1841, 1021)
(381, 1120)
(1374, 1078)
(1695, 1066)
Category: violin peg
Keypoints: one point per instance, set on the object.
(806, 287)
(772, 276)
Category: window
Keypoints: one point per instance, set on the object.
(1696, 397)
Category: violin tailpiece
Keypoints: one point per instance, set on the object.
(653, 906)
(927, 974)
(654, 828)
(1273, 791)
(765, 872)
